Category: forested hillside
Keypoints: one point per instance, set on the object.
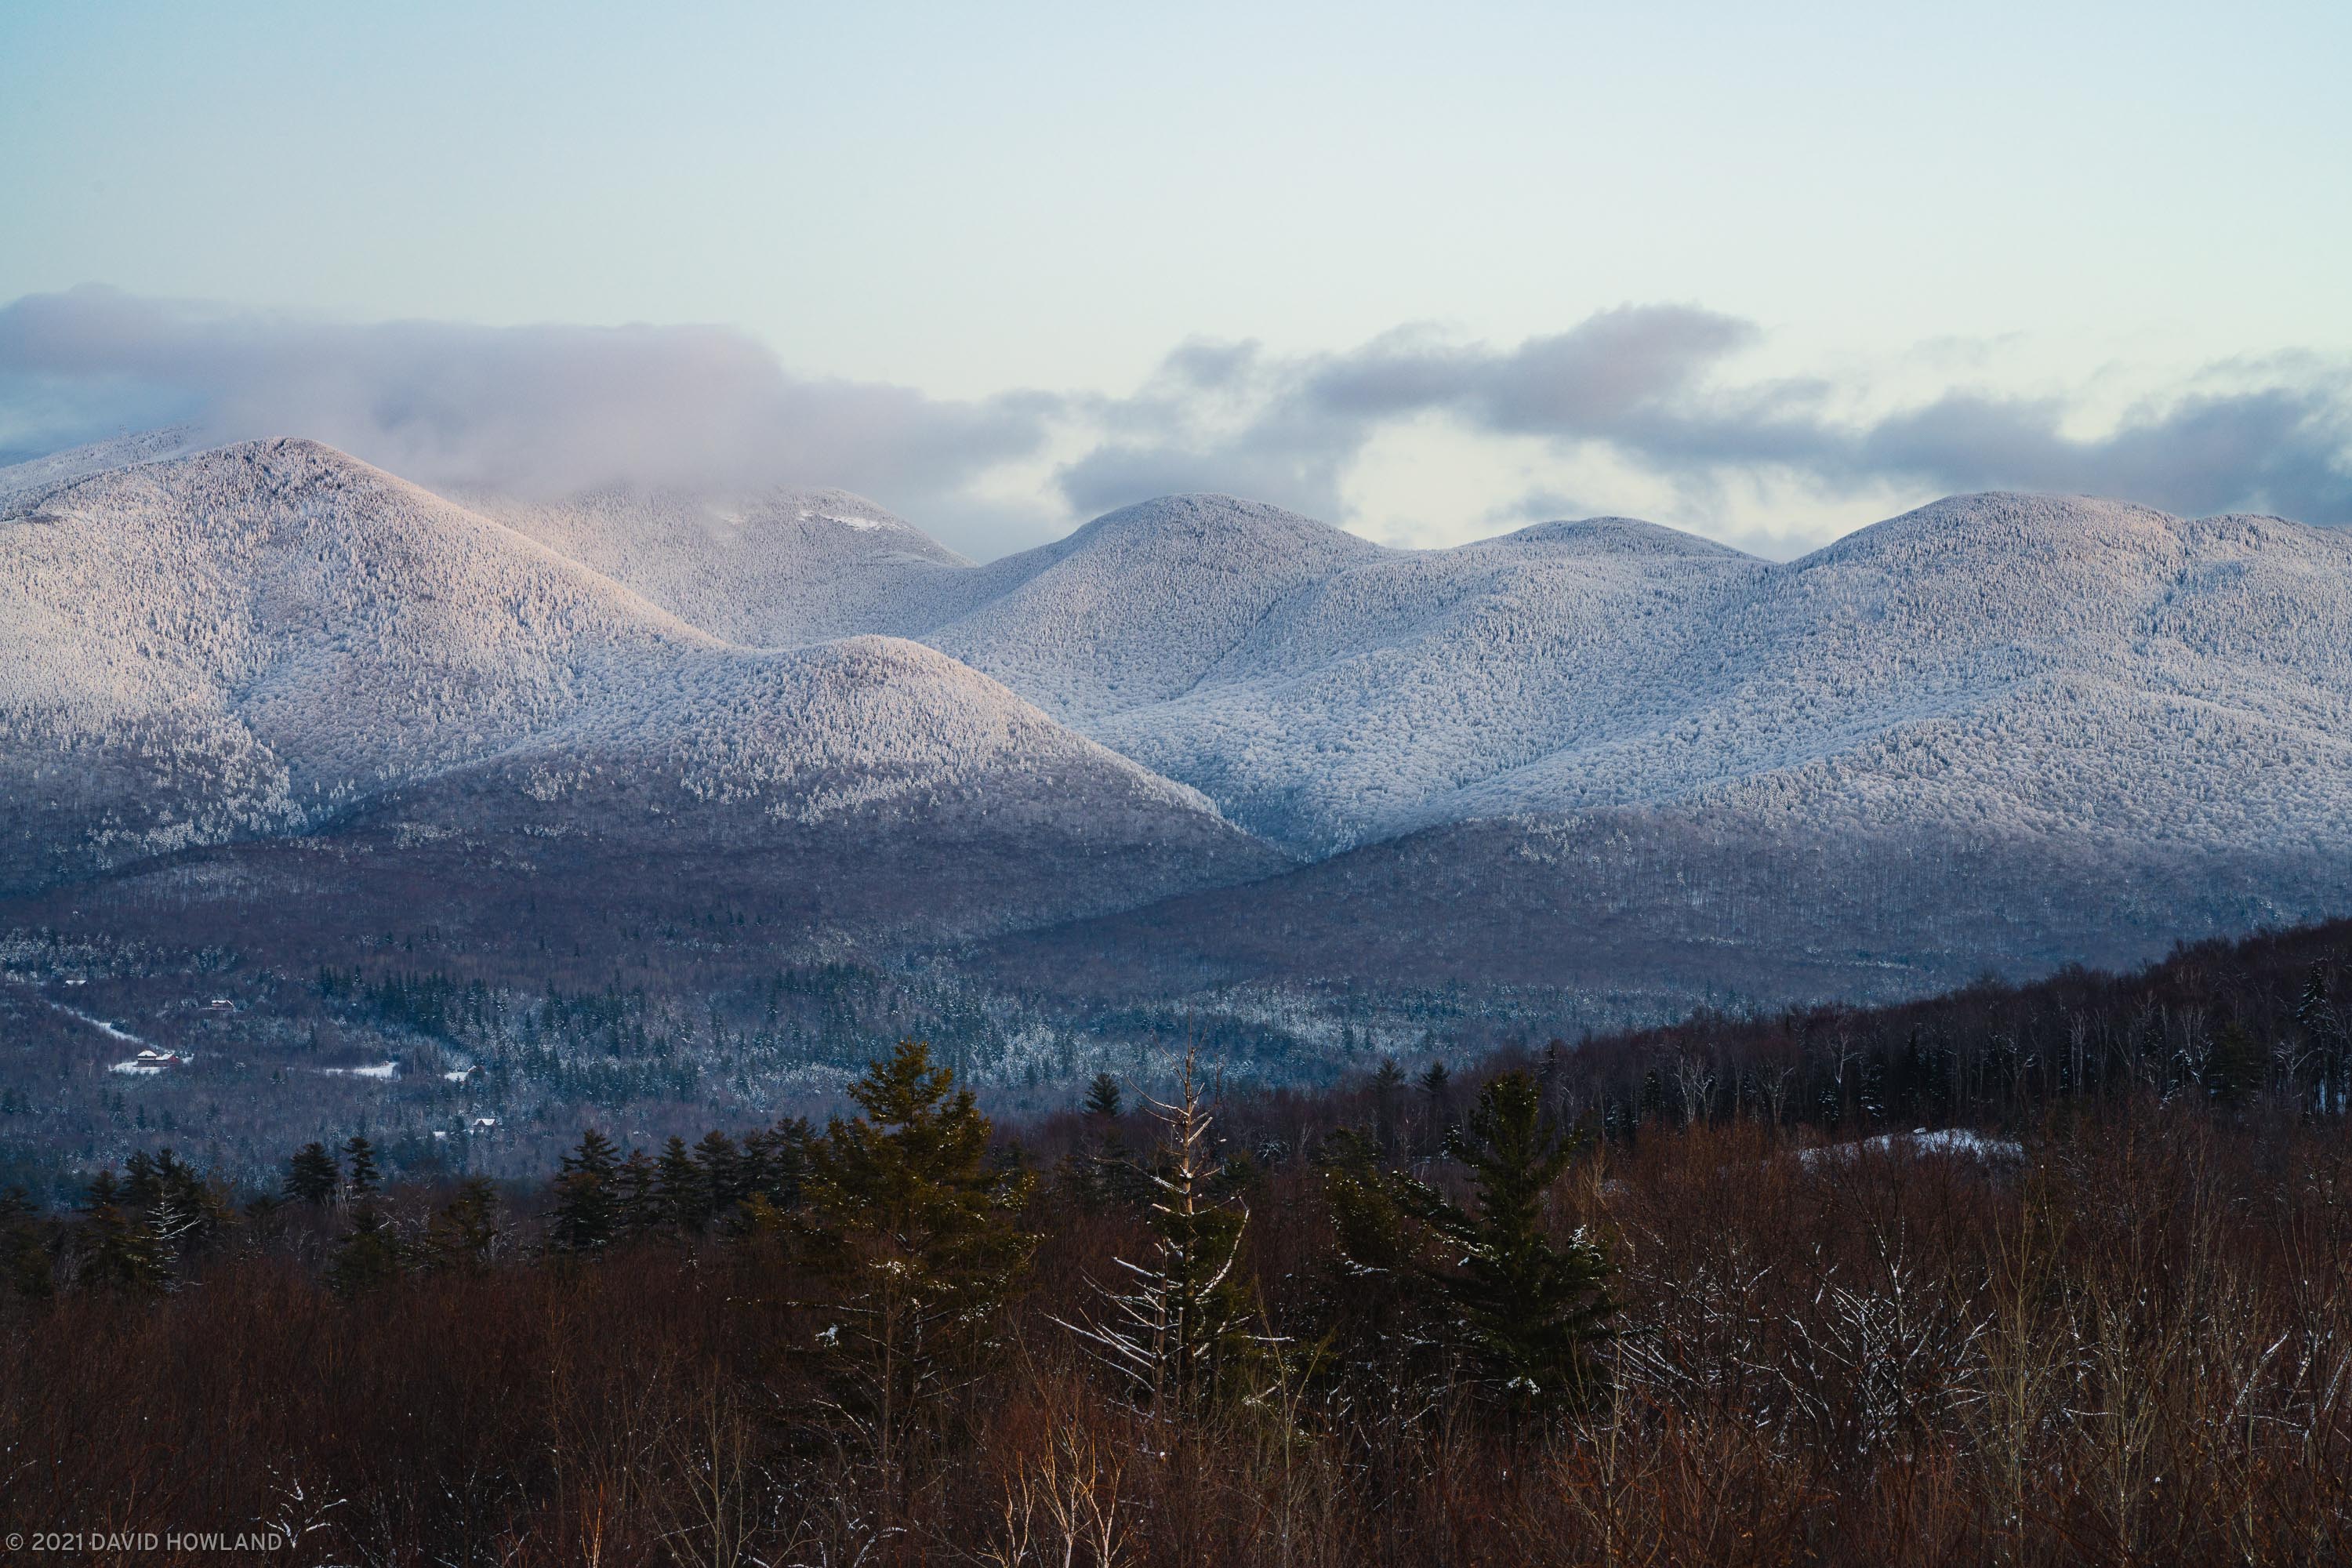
(2038, 1274)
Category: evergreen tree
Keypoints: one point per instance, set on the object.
(370, 1253)
(362, 1178)
(1525, 1308)
(683, 1200)
(2234, 1068)
(1176, 1328)
(182, 1209)
(720, 1165)
(119, 1249)
(638, 1183)
(1437, 1089)
(788, 1161)
(587, 1208)
(1386, 1326)
(1102, 1098)
(903, 1217)
(312, 1176)
(459, 1237)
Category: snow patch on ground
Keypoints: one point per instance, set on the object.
(1957, 1142)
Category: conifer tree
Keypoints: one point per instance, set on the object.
(182, 1209)
(720, 1165)
(587, 1208)
(1437, 1089)
(1384, 1320)
(2234, 1068)
(460, 1237)
(1524, 1309)
(1177, 1326)
(788, 1161)
(360, 1178)
(1102, 1098)
(682, 1195)
(370, 1253)
(637, 1183)
(119, 1249)
(312, 1176)
(914, 1230)
(1532, 1308)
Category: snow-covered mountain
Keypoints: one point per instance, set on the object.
(272, 641)
(774, 569)
(2027, 664)
(2002, 728)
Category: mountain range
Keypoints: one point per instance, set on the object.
(1199, 744)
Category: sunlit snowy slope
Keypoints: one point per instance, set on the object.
(2027, 663)
(273, 641)
(266, 641)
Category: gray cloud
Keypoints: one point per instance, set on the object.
(559, 408)
(538, 410)
(1645, 384)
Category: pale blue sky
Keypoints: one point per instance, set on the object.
(2078, 208)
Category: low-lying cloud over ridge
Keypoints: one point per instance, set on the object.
(1640, 381)
(547, 409)
(542, 410)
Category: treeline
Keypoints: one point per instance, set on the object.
(1531, 1313)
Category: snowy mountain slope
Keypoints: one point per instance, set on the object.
(1406, 679)
(2072, 661)
(1998, 730)
(1140, 604)
(2061, 665)
(2000, 733)
(98, 458)
(819, 804)
(262, 639)
(770, 569)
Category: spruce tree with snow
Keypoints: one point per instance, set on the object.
(368, 1254)
(1176, 1327)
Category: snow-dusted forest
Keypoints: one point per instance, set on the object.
(770, 777)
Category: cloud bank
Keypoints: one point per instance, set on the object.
(1644, 384)
(552, 409)
(543, 411)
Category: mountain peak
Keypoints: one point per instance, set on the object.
(1209, 522)
(1617, 536)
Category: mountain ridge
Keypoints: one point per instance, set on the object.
(1996, 681)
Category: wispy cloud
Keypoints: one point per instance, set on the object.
(1654, 390)
(542, 410)
(1646, 386)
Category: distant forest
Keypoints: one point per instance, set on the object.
(2055, 1273)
